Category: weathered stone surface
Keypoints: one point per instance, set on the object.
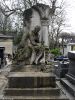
(62, 69)
(47, 91)
(71, 56)
(31, 80)
(60, 97)
(69, 86)
(38, 15)
(69, 81)
(70, 78)
(33, 85)
(35, 39)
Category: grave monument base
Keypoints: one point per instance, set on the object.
(34, 85)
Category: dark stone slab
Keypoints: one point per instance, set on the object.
(62, 69)
(69, 81)
(31, 80)
(71, 70)
(71, 55)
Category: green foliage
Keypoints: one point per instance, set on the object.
(18, 38)
(55, 51)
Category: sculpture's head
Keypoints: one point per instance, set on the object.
(36, 29)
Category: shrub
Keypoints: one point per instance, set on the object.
(55, 51)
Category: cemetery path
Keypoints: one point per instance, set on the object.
(3, 78)
(3, 81)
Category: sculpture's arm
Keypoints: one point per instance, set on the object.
(33, 42)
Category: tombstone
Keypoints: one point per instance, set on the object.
(31, 81)
(69, 81)
(71, 56)
(61, 69)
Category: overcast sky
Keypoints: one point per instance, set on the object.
(70, 14)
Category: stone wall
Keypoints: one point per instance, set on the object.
(8, 44)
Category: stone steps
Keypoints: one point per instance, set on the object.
(61, 97)
(70, 78)
(32, 86)
(32, 91)
(63, 89)
(68, 85)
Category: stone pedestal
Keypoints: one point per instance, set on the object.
(31, 80)
(32, 86)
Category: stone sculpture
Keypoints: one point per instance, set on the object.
(30, 50)
(38, 15)
(34, 45)
(37, 46)
(31, 82)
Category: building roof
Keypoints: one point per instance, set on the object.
(71, 44)
(67, 35)
(2, 36)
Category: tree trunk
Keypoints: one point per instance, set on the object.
(63, 45)
(5, 25)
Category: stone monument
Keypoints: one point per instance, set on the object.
(36, 33)
(69, 81)
(61, 69)
(25, 81)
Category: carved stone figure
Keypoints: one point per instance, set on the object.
(37, 47)
(30, 49)
(35, 40)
